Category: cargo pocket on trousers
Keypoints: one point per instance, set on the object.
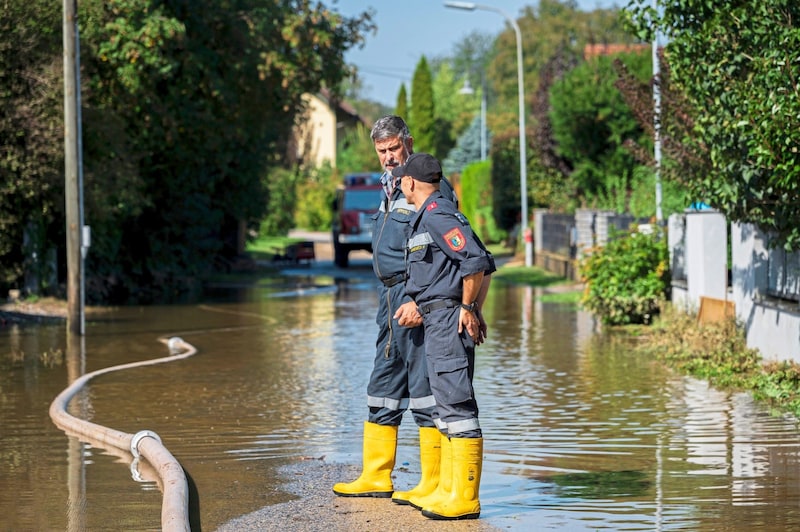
(452, 379)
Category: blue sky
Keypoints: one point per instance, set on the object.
(408, 29)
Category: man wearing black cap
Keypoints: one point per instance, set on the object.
(399, 377)
(446, 264)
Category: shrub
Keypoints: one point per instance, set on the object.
(314, 199)
(627, 280)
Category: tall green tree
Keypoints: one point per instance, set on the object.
(422, 114)
(591, 123)
(736, 63)
(401, 108)
(547, 28)
(31, 136)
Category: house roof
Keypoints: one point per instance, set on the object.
(594, 50)
(341, 105)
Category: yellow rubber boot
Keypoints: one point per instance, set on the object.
(463, 502)
(380, 446)
(430, 442)
(442, 490)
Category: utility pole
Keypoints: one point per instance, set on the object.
(71, 183)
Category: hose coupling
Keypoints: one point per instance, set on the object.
(138, 437)
(174, 344)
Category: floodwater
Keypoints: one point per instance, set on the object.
(580, 433)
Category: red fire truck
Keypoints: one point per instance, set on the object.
(357, 199)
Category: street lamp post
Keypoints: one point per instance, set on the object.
(523, 174)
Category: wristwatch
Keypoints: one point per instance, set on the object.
(472, 307)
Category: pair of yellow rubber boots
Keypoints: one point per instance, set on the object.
(451, 473)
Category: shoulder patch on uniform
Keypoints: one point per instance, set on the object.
(432, 205)
(455, 239)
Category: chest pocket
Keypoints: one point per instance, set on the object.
(419, 249)
(402, 215)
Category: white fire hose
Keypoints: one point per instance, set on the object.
(145, 443)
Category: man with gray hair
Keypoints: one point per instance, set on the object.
(399, 378)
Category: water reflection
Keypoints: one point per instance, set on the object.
(580, 433)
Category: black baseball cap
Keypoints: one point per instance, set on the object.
(420, 166)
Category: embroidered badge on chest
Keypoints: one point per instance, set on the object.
(455, 239)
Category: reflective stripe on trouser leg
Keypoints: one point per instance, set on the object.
(399, 379)
(451, 357)
(465, 425)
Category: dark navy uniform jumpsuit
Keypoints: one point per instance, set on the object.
(442, 249)
(399, 379)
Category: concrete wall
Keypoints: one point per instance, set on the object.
(772, 325)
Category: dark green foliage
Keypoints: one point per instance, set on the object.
(443, 140)
(422, 113)
(505, 180)
(401, 109)
(627, 280)
(735, 63)
(282, 185)
(31, 136)
(590, 125)
(187, 106)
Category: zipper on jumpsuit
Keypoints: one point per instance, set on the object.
(388, 347)
(391, 329)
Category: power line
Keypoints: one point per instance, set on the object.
(379, 71)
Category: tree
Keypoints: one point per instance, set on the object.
(467, 149)
(208, 133)
(549, 28)
(591, 122)
(476, 200)
(401, 109)
(187, 107)
(422, 113)
(546, 27)
(31, 137)
(735, 61)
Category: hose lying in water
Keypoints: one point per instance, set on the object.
(175, 502)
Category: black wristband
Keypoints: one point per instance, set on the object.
(472, 307)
